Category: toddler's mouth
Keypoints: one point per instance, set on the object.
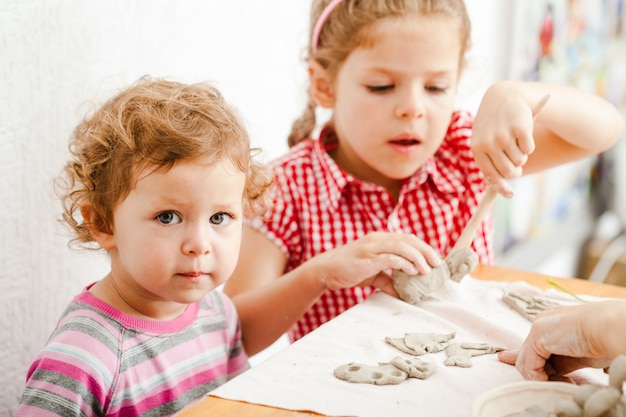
(193, 274)
(406, 142)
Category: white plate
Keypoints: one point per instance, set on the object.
(511, 399)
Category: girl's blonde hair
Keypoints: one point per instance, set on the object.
(348, 26)
(152, 124)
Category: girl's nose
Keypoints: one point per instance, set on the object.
(410, 104)
(197, 240)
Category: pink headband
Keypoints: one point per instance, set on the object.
(320, 23)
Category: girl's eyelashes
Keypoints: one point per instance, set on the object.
(379, 88)
(388, 87)
(168, 217)
(436, 89)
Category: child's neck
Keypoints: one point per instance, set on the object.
(119, 297)
(365, 173)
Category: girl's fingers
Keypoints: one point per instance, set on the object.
(515, 155)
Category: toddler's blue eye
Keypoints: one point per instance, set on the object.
(221, 219)
(168, 217)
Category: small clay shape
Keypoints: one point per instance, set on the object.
(461, 263)
(423, 343)
(420, 343)
(398, 343)
(368, 374)
(460, 354)
(415, 367)
(527, 305)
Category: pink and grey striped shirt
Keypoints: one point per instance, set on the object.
(318, 206)
(101, 362)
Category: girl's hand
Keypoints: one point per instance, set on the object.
(370, 259)
(502, 136)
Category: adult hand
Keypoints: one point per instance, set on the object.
(564, 339)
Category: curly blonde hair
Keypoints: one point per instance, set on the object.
(349, 26)
(152, 123)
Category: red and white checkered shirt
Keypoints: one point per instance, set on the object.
(318, 206)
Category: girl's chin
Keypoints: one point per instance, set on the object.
(399, 175)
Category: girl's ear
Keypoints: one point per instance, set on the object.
(321, 86)
(105, 239)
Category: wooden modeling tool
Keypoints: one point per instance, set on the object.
(467, 236)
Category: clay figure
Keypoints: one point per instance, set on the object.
(421, 343)
(368, 374)
(415, 367)
(427, 342)
(460, 354)
(393, 372)
(398, 343)
(527, 305)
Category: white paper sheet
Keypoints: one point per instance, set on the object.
(301, 376)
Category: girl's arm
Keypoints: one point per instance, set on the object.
(268, 306)
(269, 301)
(508, 142)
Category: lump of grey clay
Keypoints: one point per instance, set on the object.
(368, 374)
(421, 343)
(460, 354)
(414, 367)
(415, 288)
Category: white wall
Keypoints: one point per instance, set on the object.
(57, 54)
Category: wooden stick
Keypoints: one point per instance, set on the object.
(467, 236)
